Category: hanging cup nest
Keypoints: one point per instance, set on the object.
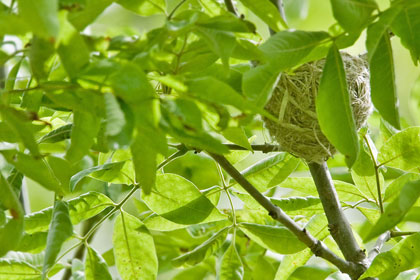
(293, 103)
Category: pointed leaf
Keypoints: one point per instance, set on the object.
(111, 169)
(204, 250)
(397, 209)
(115, 119)
(134, 249)
(231, 267)
(271, 171)
(178, 200)
(57, 135)
(144, 7)
(95, 266)
(80, 208)
(91, 10)
(403, 256)
(382, 74)
(60, 229)
(289, 48)
(17, 270)
(72, 49)
(41, 16)
(407, 26)
(267, 11)
(353, 15)
(275, 238)
(333, 108)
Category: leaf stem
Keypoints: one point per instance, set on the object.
(376, 167)
(226, 189)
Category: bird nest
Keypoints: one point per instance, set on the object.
(293, 103)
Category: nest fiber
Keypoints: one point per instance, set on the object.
(293, 103)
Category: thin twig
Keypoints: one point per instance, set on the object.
(337, 222)
(265, 148)
(316, 246)
(382, 239)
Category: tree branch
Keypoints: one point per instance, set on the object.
(265, 148)
(382, 239)
(337, 222)
(316, 246)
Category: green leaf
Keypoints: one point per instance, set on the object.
(287, 49)
(92, 9)
(17, 270)
(131, 84)
(270, 171)
(258, 83)
(60, 229)
(144, 7)
(231, 267)
(226, 22)
(178, 200)
(85, 128)
(353, 15)
(77, 270)
(275, 238)
(222, 43)
(237, 135)
(312, 272)
(268, 12)
(111, 169)
(8, 134)
(11, 77)
(402, 150)
(57, 135)
(81, 208)
(115, 120)
(21, 124)
(11, 24)
(382, 72)
(36, 169)
(333, 108)
(407, 26)
(204, 250)
(95, 266)
(395, 187)
(403, 256)
(39, 55)
(396, 210)
(134, 249)
(41, 16)
(32, 243)
(73, 52)
(317, 226)
(305, 185)
(215, 91)
(298, 205)
(11, 232)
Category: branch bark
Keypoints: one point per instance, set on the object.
(337, 222)
(316, 246)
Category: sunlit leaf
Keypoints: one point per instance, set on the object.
(204, 250)
(397, 209)
(134, 249)
(402, 257)
(275, 238)
(60, 229)
(17, 270)
(267, 11)
(41, 16)
(231, 267)
(178, 200)
(402, 150)
(333, 108)
(95, 266)
(353, 15)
